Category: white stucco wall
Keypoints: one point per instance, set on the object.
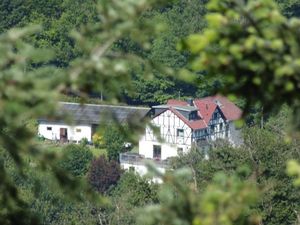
(73, 134)
(168, 123)
(142, 170)
(234, 135)
(167, 150)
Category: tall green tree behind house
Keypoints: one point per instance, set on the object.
(180, 19)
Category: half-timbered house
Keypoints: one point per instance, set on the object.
(179, 125)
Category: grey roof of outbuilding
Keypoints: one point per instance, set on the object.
(96, 114)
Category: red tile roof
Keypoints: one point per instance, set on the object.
(175, 102)
(206, 107)
(228, 108)
(194, 124)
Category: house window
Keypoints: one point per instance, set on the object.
(49, 128)
(180, 132)
(212, 128)
(78, 130)
(192, 116)
(221, 126)
(179, 151)
(215, 116)
(156, 151)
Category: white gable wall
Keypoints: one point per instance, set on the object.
(217, 126)
(75, 133)
(168, 123)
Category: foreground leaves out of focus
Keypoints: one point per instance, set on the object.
(227, 200)
(246, 44)
(255, 48)
(30, 90)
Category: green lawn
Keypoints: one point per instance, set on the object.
(52, 147)
(98, 151)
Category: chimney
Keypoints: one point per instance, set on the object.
(190, 101)
(218, 103)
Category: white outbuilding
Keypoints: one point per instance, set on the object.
(84, 119)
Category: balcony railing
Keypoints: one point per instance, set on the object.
(137, 159)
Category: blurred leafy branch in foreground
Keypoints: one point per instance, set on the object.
(226, 200)
(293, 169)
(255, 48)
(30, 89)
(252, 45)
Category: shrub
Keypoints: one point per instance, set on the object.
(131, 193)
(104, 174)
(114, 142)
(97, 140)
(84, 142)
(76, 159)
(136, 190)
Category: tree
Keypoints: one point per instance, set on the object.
(58, 19)
(131, 193)
(104, 174)
(180, 19)
(262, 159)
(76, 159)
(114, 141)
(217, 203)
(30, 88)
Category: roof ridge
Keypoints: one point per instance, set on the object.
(112, 106)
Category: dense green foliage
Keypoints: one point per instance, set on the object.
(246, 50)
(113, 141)
(260, 161)
(255, 48)
(131, 193)
(104, 174)
(43, 196)
(58, 18)
(179, 19)
(217, 204)
(30, 89)
(76, 159)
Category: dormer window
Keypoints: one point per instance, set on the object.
(193, 115)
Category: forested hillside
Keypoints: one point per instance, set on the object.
(58, 18)
(181, 18)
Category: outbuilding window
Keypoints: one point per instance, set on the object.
(78, 130)
(49, 128)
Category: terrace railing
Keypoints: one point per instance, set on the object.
(137, 159)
